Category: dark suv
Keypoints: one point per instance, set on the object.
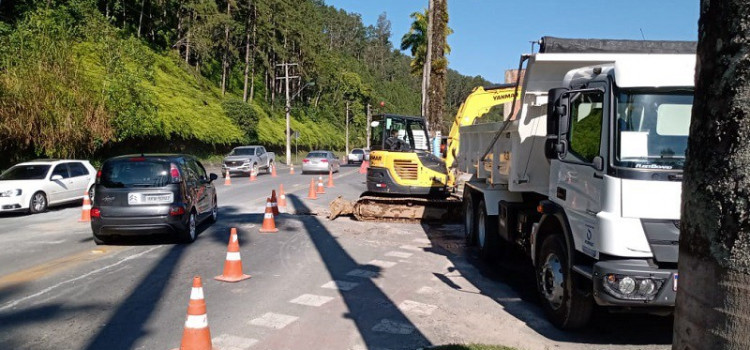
(152, 194)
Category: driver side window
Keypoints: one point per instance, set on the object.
(586, 125)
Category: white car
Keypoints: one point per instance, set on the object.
(35, 185)
(358, 155)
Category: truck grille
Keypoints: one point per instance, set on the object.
(406, 169)
(233, 164)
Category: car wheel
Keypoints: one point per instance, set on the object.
(270, 165)
(38, 203)
(487, 238)
(188, 235)
(214, 212)
(255, 169)
(469, 218)
(91, 193)
(565, 306)
(99, 240)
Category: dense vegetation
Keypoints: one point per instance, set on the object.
(86, 77)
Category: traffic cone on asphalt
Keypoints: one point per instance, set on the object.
(274, 204)
(330, 178)
(227, 180)
(321, 189)
(86, 209)
(273, 170)
(312, 194)
(282, 197)
(253, 175)
(197, 335)
(269, 225)
(363, 167)
(233, 262)
(291, 170)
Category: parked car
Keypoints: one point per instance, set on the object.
(246, 159)
(34, 186)
(320, 161)
(358, 155)
(152, 194)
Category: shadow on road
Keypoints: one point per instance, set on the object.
(379, 321)
(511, 283)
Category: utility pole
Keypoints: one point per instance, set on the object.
(287, 109)
(347, 128)
(369, 120)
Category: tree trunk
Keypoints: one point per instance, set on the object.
(247, 53)
(714, 264)
(225, 58)
(439, 65)
(426, 69)
(140, 17)
(252, 57)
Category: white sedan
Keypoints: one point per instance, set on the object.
(33, 186)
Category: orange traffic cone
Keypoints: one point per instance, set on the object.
(197, 335)
(282, 197)
(233, 262)
(227, 180)
(291, 170)
(253, 175)
(273, 170)
(86, 209)
(312, 194)
(363, 167)
(321, 189)
(274, 204)
(330, 178)
(269, 225)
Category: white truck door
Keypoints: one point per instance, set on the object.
(579, 184)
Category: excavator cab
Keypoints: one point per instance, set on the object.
(399, 134)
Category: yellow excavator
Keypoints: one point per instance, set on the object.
(406, 182)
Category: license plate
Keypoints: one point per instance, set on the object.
(144, 198)
(674, 282)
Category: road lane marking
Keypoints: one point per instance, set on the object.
(232, 342)
(311, 300)
(417, 307)
(48, 289)
(382, 264)
(362, 273)
(340, 285)
(393, 327)
(273, 320)
(426, 290)
(57, 265)
(401, 255)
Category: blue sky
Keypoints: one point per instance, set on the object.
(489, 36)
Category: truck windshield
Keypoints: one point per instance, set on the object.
(243, 152)
(652, 128)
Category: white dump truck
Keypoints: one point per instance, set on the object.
(586, 177)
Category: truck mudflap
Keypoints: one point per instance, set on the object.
(633, 283)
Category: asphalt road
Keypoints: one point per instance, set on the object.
(316, 284)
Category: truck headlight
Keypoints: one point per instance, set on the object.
(632, 287)
(11, 193)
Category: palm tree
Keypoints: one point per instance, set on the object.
(712, 300)
(416, 40)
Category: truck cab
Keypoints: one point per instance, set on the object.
(586, 179)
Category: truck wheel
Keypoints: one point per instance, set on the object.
(470, 219)
(268, 169)
(486, 236)
(255, 168)
(563, 304)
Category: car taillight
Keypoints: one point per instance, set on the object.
(174, 172)
(95, 213)
(305, 160)
(324, 160)
(176, 211)
(98, 176)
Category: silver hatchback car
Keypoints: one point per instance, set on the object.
(320, 161)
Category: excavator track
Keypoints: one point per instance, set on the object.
(407, 209)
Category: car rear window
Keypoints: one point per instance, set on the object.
(25, 172)
(135, 172)
(243, 152)
(358, 151)
(317, 155)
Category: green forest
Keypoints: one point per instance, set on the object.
(94, 78)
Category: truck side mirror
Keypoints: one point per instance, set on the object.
(557, 122)
(598, 163)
